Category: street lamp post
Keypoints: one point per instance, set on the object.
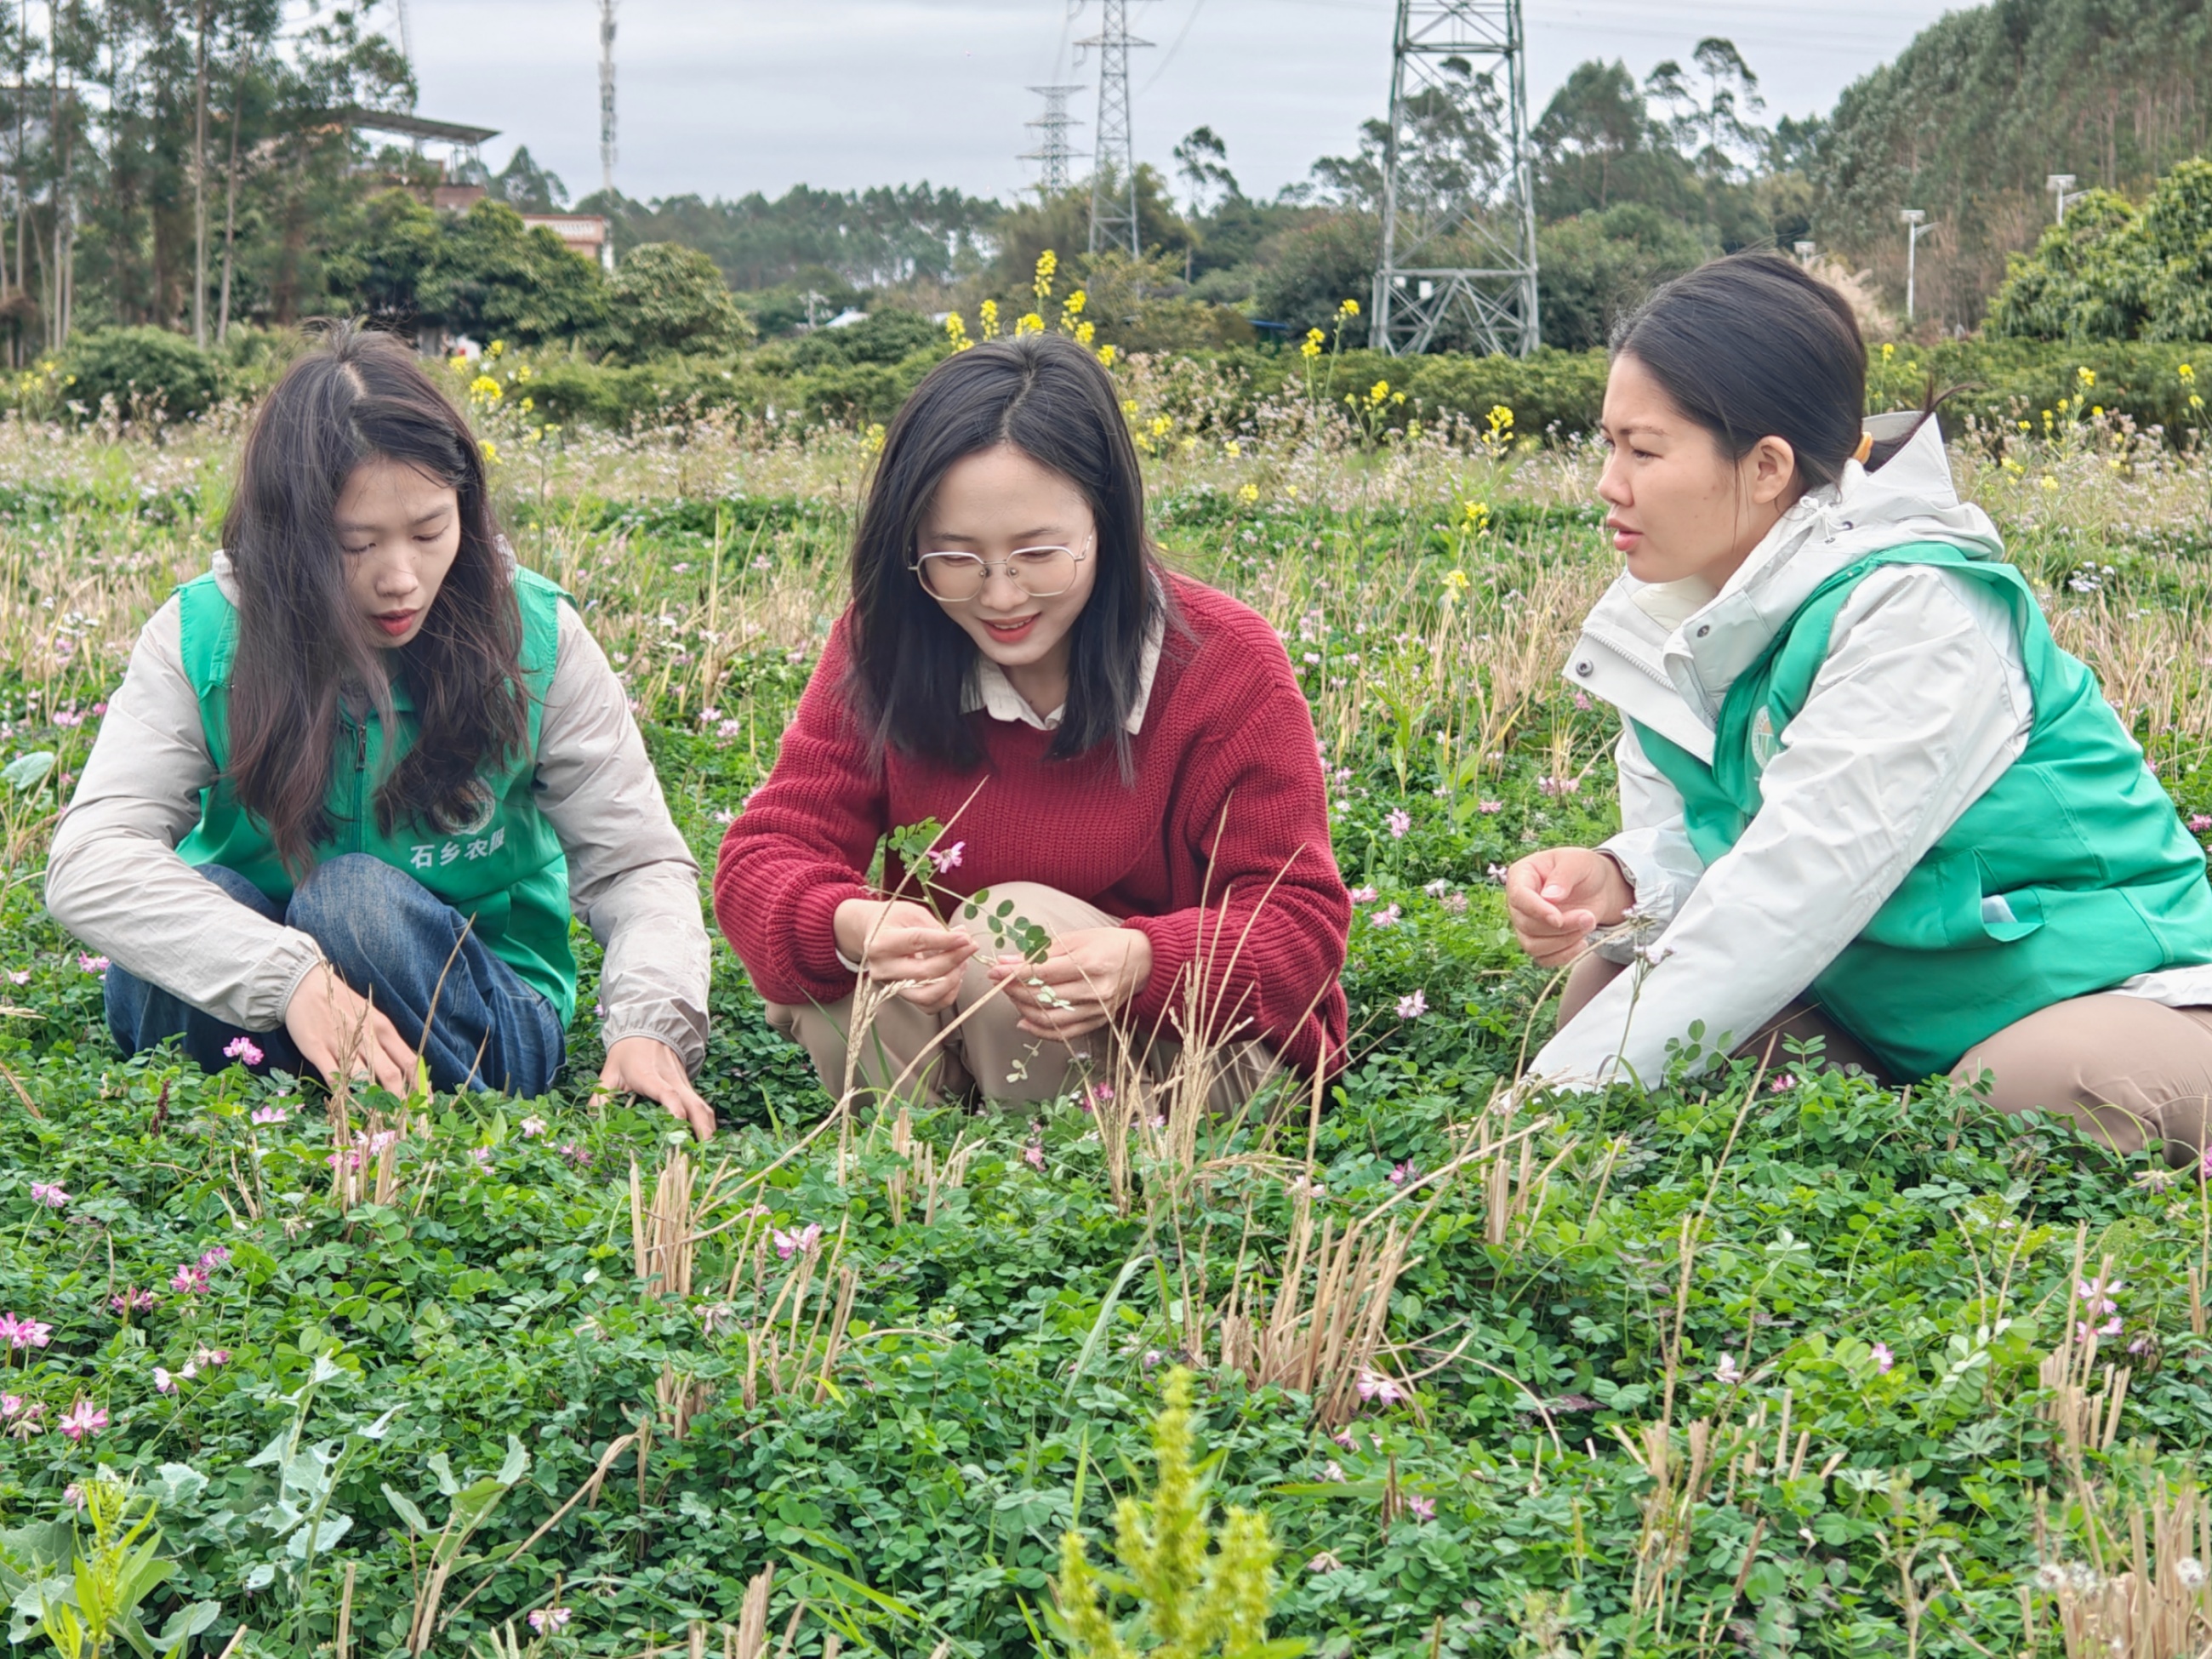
(1915, 221)
(2061, 187)
(1805, 252)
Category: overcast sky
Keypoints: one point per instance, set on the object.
(722, 97)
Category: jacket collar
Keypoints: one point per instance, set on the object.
(1666, 652)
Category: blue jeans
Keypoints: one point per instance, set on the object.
(391, 939)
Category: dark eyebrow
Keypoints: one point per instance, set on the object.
(1027, 539)
(346, 527)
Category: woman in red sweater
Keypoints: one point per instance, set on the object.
(1123, 753)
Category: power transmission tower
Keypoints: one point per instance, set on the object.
(406, 37)
(1113, 218)
(1053, 153)
(1456, 182)
(607, 95)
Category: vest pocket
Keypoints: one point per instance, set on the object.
(1940, 906)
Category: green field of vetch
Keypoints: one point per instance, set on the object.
(1770, 1364)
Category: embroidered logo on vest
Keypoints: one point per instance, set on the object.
(1763, 744)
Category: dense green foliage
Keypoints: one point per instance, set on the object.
(2115, 272)
(1984, 105)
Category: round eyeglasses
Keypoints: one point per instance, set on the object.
(1039, 572)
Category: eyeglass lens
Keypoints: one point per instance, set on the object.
(1039, 572)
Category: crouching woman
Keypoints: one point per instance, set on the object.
(1122, 754)
(359, 775)
(1864, 795)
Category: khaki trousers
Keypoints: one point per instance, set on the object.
(2127, 1071)
(988, 1054)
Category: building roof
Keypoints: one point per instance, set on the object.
(413, 126)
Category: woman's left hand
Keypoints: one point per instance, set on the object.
(1085, 977)
(645, 1066)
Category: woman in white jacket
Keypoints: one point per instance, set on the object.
(1864, 795)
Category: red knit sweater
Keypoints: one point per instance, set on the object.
(1227, 745)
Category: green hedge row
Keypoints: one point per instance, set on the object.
(1554, 394)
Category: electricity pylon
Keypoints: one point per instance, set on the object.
(1052, 153)
(1113, 218)
(1458, 208)
(607, 95)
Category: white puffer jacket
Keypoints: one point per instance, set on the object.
(1921, 704)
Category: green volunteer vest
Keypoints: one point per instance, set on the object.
(2076, 836)
(508, 873)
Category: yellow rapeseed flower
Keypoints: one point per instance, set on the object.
(1029, 323)
(491, 451)
(1457, 581)
(496, 348)
(1887, 352)
(1349, 308)
(1106, 355)
(1047, 262)
(522, 371)
(527, 404)
(1129, 407)
(874, 436)
(2186, 372)
(1162, 425)
(1314, 341)
(988, 314)
(1074, 303)
(1249, 494)
(1379, 393)
(956, 331)
(1084, 332)
(1232, 449)
(1477, 514)
(485, 387)
(2086, 376)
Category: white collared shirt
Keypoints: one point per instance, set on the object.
(990, 690)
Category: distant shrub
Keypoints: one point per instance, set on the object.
(664, 298)
(2113, 271)
(149, 372)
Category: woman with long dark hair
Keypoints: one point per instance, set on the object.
(361, 773)
(1864, 797)
(1122, 756)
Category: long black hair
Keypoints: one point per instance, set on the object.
(354, 397)
(1755, 346)
(911, 663)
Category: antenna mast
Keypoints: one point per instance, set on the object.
(1113, 218)
(1458, 208)
(1052, 153)
(406, 37)
(607, 95)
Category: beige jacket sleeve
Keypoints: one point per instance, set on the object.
(114, 878)
(631, 877)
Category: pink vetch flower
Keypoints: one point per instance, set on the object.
(81, 1419)
(481, 1156)
(243, 1047)
(163, 1382)
(1095, 1095)
(2198, 823)
(577, 1155)
(211, 1357)
(50, 1194)
(133, 1301)
(546, 1621)
(24, 1333)
(1399, 822)
(1325, 1562)
(1388, 916)
(1402, 1173)
(533, 1128)
(1345, 1438)
(1413, 1006)
(1420, 1508)
(18, 976)
(73, 1495)
(1384, 1390)
(949, 857)
(192, 1281)
(91, 965)
(1496, 872)
(1489, 806)
(790, 1244)
(1883, 1358)
(1727, 1371)
(24, 1418)
(1330, 1471)
(1550, 786)
(270, 1115)
(1364, 895)
(1582, 702)
(1033, 1154)
(1783, 1084)
(216, 1257)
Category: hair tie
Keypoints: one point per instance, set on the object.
(1865, 448)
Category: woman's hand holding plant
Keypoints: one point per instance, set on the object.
(646, 1066)
(341, 1034)
(896, 940)
(1559, 897)
(1083, 979)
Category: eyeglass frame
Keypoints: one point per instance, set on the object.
(1005, 564)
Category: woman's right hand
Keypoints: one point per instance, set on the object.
(1559, 897)
(341, 1034)
(899, 939)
